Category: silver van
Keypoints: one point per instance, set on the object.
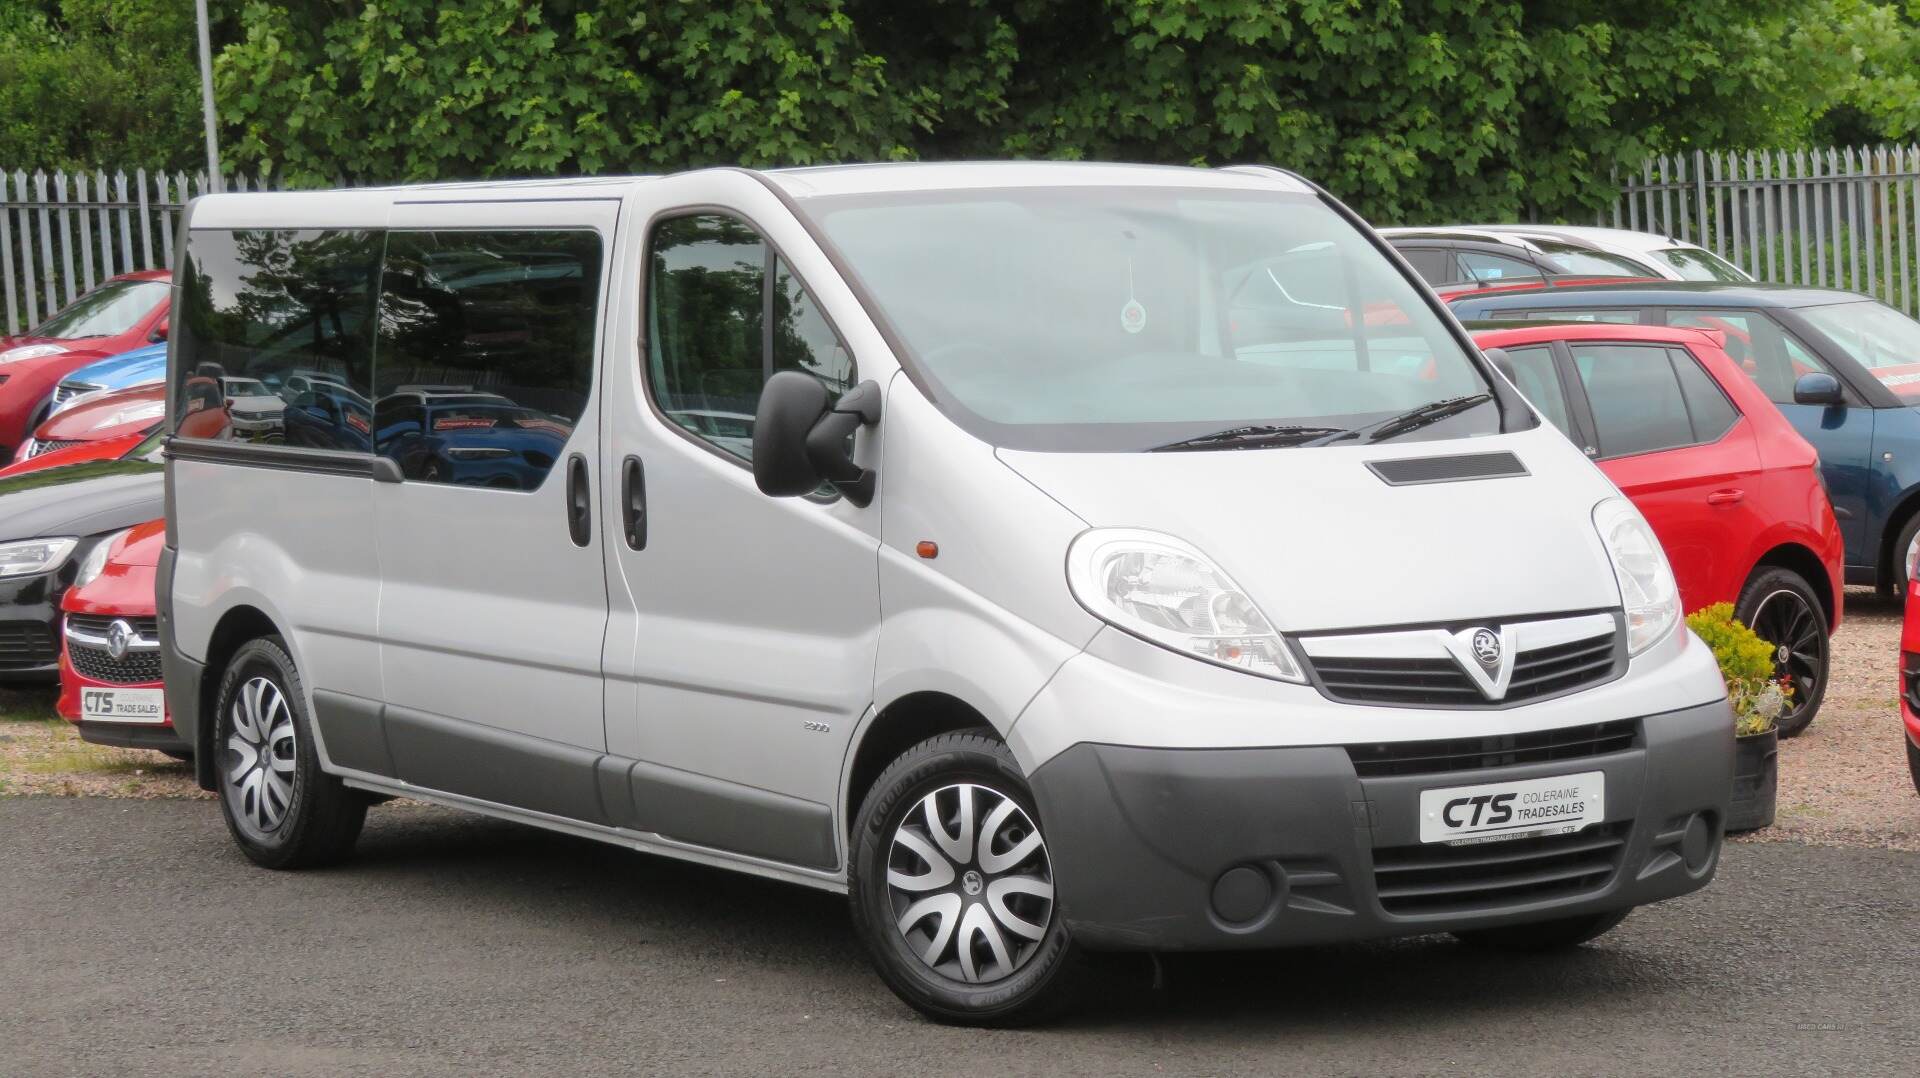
(1051, 557)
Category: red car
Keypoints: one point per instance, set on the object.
(1910, 666)
(1731, 489)
(122, 314)
(109, 449)
(110, 658)
(130, 413)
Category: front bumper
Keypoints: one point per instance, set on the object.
(29, 626)
(1177, 849)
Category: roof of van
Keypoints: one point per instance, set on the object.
(800, 183)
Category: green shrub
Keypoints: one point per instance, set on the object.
(1746, 664)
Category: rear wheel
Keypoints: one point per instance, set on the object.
(951, 887)
(1781, 607)
(280, 807)
(1546, 935)
(1893, 581)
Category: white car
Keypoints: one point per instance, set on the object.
(1456, 254)
(1121, 558)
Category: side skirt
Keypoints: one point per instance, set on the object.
(644, 842)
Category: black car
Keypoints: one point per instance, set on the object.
(49, 520)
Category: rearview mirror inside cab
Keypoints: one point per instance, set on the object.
(1817, 387)
(801, 440)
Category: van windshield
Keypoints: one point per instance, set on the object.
(1127, 318)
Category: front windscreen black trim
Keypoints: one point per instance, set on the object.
(281, 457)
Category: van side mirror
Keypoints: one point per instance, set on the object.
(1503, 363)
(800, 438)
(1817, 387)
(160, 331)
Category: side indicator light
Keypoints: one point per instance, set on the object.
(928, 549)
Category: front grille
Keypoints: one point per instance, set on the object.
(66, 391)
(48, 447)
(1505, 750)
(26, 647)
(1439, 681)
(1436, 878)
(1910, 680)
(137, 668)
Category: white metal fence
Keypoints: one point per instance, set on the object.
(62, 234)
(1836, 217)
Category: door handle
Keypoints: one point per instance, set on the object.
(1730, 496)
(633, 502)
(579, 502)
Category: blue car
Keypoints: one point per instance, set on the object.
(1843, 369)
(141, 367)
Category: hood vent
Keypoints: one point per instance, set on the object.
(1413, 471)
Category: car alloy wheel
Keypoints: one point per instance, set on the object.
(1799, 638)
(970, 884)
(261, 756)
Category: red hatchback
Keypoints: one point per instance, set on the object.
(122, 314)
(1731, 489)
(110, 684)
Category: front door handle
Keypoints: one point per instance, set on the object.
(1730, 496)
(633, 502)
(579, 502)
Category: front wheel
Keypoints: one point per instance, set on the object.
(281, 808)
(951, 887)
(1545, 935)
(1782, 609)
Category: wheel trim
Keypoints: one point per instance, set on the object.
(1797, 633)
(970, 884)
(261, 755)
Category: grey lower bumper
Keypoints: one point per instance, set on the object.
(1170, 849)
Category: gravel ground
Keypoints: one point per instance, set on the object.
(1844, 782)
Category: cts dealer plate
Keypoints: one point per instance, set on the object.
(1559, 805)
(147, 707)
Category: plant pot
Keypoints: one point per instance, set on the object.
(1756, 781)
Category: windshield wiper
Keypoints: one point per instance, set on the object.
(1394, 426)
(1259, 436)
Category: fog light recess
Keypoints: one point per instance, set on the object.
(1243, 894)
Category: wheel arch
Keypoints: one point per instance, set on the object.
(236, 626)
(1804, 562)
(1886, 560)
(895, 728)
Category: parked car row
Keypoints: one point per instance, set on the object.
(963, 538)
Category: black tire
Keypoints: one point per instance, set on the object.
(1045, 972)
(1913, 765)
(1545, 935)
(320, 818)
(1783, 609)
(1893, 578)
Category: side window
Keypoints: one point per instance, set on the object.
(486, 348)
(1758, 346)
(723, 314)
(1486, 266)
(1635, 398)
(1707, 404)
(1577, 314)
(1540, 384)
(291, 310)
(1433, 264)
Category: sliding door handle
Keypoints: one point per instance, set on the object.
(633, 502)
(579, 501)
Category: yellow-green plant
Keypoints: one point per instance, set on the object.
(1746, 664)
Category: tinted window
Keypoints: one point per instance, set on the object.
(1576, 314)
(1758, 346)
(485, 357)
(107, 311)
(1566, 258)
(1483, 266)
(291, 310)
(1433, 264)
(1635, 398)
(1534, 373)
(1707, 403)
(710, 345)
(1697, 264)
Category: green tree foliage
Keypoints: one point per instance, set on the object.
(98, 84)
(1880, 99)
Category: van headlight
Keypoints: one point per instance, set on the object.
(1647, 590)
(32, 556)
(1164, 591)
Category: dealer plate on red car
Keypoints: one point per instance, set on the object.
(1529, 808)
(147, 707)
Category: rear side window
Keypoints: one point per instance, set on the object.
(1576, 314)
(1533, 367)
(485, 353)
(1483, 266)
(723, 314)
(1707, 404)
(1635, 398)
(290, 309)
(1433, 264)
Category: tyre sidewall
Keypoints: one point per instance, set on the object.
(1766, 582)
(268, 658)
(940, 762)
